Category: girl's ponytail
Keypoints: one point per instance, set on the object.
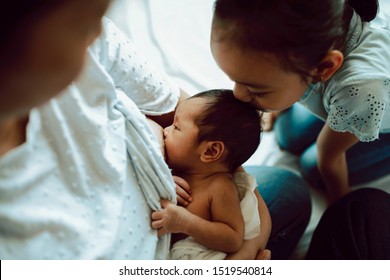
(367, 9)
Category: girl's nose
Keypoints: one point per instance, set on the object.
(241, 93)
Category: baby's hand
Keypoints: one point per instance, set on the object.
(171, 219)
(183, 191)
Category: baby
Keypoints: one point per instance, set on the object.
(212, 135)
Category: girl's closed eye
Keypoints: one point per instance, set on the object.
(257, 94)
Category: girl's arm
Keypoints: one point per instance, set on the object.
(332, 163)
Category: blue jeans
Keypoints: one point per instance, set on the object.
(296, 131)
(288, 200)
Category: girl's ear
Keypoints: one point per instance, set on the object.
(212, 151)
(329, 65)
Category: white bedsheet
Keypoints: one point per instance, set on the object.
(174, 34)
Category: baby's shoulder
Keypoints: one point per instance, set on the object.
(222, 183)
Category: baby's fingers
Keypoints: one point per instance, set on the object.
(157, 215)
(183, 191)
(161, 232)
(181, 183)
(183, 198)
(157, 224)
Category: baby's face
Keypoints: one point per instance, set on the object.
(180, 138)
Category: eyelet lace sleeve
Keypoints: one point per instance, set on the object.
(360, 108)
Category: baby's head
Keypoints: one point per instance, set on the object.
(237, 124)
(212, 127)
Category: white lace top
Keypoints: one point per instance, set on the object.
(356, 99)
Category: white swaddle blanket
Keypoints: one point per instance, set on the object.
(189, 249)
(148, 162)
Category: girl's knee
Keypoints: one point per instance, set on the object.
(296, 129)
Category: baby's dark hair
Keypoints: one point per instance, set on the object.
(298, 32)
(237, 124)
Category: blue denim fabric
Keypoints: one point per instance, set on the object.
(296, 131)
(287, 197)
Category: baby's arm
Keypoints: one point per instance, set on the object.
(332, 163)
(224, 233)
(226, 215)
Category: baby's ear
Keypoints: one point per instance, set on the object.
(212, 151)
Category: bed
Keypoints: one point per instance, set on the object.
(174, 35)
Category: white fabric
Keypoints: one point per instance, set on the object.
(357, 97)
(246, 185)
(189, 249)
(75, 189)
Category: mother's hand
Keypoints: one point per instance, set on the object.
(250, 250)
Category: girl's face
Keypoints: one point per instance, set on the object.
(258, 77)
(181, 147)
(53, 55)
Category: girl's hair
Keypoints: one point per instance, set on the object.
(298, 32)
(237, 124)
(16, 20)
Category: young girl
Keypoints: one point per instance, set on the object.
(329, 57)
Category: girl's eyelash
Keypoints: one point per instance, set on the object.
(257, 94)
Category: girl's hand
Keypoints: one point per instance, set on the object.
(251, 250)
(268, 119)
(263, 255)
(171, 219)
(183, 191)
